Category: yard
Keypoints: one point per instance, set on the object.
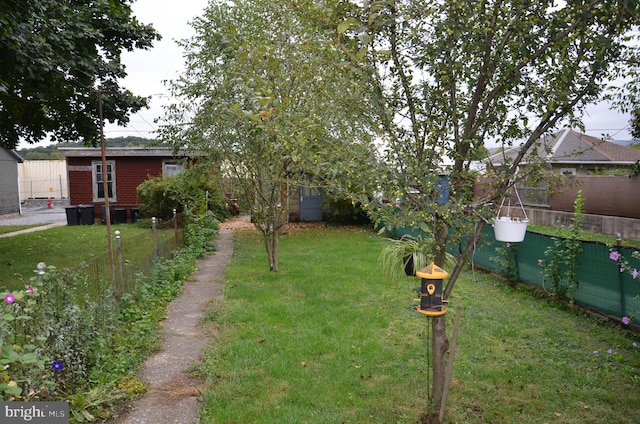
(327, 339)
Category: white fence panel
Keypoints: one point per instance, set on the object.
(42, 179)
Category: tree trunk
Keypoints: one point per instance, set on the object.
(271, 245)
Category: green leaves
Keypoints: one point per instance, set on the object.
(53, 54)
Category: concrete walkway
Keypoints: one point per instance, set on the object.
(173, 395)
(35, 215)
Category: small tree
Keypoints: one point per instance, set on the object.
(263, 101)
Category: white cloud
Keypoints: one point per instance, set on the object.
(147, 69)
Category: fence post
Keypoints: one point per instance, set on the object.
(623, 303)
(120, 265)
(155, 237)
(41, 267)
(175, 227)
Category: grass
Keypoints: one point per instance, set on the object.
(4, 229)
(586, 236)
(328, 340)
(62, 247)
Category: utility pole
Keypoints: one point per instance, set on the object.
(105, 186)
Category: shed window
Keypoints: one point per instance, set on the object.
(171, 168)
(98, 180)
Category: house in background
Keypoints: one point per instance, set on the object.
(126, 169)
(9, 187)
(605, 173)
(569, 152)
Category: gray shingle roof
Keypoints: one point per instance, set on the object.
(568, 146)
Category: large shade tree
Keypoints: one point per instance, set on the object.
(452, 76)
(55, 56)
(262, 92)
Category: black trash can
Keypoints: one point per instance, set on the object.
(73, 215)
(135, 214)
(103, 215)
(120, 215)
(86, 214)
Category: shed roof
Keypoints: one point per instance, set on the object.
(162, 152)
(571, 147)
(14, 155)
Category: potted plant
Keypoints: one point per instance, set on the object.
(408, 254)
(510, 225)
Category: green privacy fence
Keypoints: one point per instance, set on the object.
(602, 287)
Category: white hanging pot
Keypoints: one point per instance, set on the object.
(509, 228)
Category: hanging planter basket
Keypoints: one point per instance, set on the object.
(511, 223)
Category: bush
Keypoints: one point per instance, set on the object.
(195, 188)
(344, 212)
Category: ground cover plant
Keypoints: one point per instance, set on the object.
(328, 339)
(56, 344)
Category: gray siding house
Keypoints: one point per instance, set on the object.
(9, 188)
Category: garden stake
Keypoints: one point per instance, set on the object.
(452, 354)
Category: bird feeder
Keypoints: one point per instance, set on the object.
(431, 303)
(511, 225)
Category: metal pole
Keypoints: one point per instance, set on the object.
(155, 237)
(105, 186)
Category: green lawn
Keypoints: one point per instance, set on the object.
(62, 247)
(328, 340)
(4, 229)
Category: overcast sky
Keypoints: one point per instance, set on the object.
(147, 69)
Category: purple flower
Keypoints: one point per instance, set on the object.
(614, 256)
(634, 274)
(626, 320)
(30, 290)
(609, 351)
(539, 261)
(621, 269)
(56, 365)
(9, 298)
(508, 244)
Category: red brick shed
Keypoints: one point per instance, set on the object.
(126, 168)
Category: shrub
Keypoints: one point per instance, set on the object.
(195, 188)
(563, 256)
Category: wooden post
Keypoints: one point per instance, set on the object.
(449, 374)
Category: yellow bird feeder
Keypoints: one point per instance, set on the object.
(431, 302)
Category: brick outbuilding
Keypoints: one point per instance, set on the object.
(126, 168)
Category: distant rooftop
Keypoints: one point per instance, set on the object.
(572, 147)
(128, 152)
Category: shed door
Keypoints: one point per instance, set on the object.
(310, 203)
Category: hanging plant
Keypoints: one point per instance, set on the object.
(406, 255)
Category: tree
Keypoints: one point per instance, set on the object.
(263, 101)
(449, 76)
(55, 55)
(635, 124)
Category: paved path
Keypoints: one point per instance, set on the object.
(172, 397)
